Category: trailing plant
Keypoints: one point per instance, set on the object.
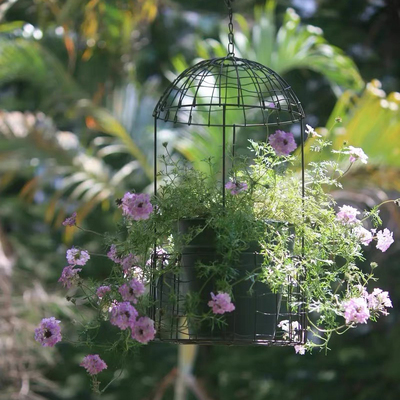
(305, 240)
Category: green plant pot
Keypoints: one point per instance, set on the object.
(256, 308)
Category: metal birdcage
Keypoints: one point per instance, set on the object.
(235, 95)
(229, 92)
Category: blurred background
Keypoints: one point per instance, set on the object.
(78, 82)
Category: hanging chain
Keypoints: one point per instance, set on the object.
(231, 44)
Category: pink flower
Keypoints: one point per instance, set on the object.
(347, 214)
(356, 310)
(136, 206)
(363, 234)
(236, 187)
(300, 349)
(131, 268)
(112, 254)
(77, 257)
(69, 276)
(135, 272)
(102, 291)
(129, 261)
(132, 290)
(385, 239)
(123, 315)
(378, 300)
(363, 291)
(356, 153)
(283, 143)
(93, 364)
(160, 257)
(221, 303)
(70, 221)
(144, 330)
(48, 333)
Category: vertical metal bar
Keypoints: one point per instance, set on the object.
(173, 333)
(160, 285)
(155, 156)
(178, 319)
(303, 317)
(154, 257)
(223, 153)
(233, 141)
(302, 176)
(255, 301)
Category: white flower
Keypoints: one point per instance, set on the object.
(385, 239)
(311, 131)
(357, 153)
(284, 325)
(292, 330)
(300, 349)
(363, 234)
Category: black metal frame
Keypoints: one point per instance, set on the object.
(173, 326)
(225, 84)
(226, 92)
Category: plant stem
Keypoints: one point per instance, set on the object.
(89, 231)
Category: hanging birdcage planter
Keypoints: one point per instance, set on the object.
(234, 96)
(235, 247)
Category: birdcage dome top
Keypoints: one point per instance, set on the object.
(229, 91)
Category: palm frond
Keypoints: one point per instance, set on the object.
(60, 162)
(26, 60)
(104, 121)
(292, 46)
(370, 121)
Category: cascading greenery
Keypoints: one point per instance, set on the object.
(323, 262)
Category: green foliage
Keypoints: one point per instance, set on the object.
(23, 60)
(377, 135)
(228, 373)
(85, 174)
(292, 46)
(294, 227)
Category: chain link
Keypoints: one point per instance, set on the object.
(231, 44)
